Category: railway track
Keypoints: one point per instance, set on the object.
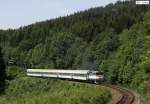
(127, 96)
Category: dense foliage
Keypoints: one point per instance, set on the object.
(115, 38)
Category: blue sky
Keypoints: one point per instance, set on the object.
(16, 13)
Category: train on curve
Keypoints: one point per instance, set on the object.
(93, 76)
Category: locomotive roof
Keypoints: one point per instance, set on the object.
(59, 71)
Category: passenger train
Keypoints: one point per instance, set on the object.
(82, 75)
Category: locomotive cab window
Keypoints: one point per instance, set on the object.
(99, 73)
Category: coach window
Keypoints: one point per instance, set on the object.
(83, 75)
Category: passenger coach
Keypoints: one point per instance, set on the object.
(85, 75)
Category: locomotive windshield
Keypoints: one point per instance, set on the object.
(96, 73)
(99, 73)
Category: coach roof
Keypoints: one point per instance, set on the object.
(59, 71)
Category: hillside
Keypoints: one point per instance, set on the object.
(115, 38)
(70, 38)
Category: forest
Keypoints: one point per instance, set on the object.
(116, 38)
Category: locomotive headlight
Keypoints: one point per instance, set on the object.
(100, 77)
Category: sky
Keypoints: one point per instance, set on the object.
(17, 13)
